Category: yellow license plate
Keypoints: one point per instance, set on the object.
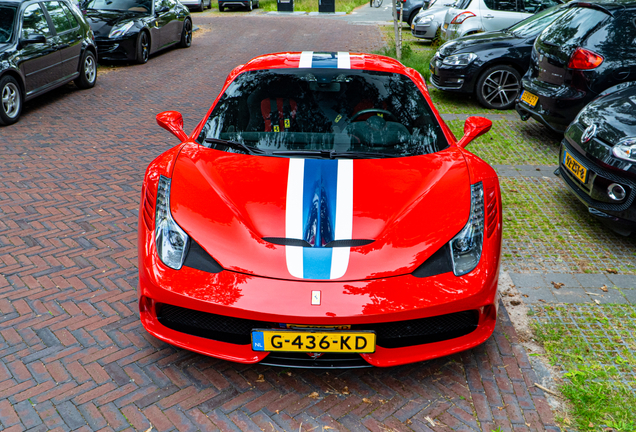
(579, 171)
(412, 26)
(529, 98)
(313, 341)
(445, 26)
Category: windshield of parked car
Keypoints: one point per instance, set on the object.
(531, 27)
(142, 6)
(324, 113)
(7, 17)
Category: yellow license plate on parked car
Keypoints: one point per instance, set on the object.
(529, 98)
(313, 341)
(579, 171)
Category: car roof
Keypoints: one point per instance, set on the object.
(315, 59)
(608, 5)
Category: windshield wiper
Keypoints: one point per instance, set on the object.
(330, 154)
(235, 145)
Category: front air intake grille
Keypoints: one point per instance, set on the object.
(400, 334)
(396, 334)
(436, 79)
(217, 327)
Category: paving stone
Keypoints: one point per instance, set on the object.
(611, 296)
(568, 280)
(528, 280)
(630, 295)
(593, 280)
(537, 295)
(622, 281)
(571, 295)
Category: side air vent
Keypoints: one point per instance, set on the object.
(438, 263)
(199, 259)
(303, 243)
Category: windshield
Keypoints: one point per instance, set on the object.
(531, 27)
(143, 6)
(291, 111)
(7, 16)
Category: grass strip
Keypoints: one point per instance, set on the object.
(312, 5)
(595, 347)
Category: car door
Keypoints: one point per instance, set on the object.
(69, 36)
(158, 26)
(174, 26)
(499, 14)
(39, 62)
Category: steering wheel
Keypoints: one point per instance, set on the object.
(391, 116)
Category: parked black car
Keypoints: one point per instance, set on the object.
(587, 50)
(490, 64)
(598, 157)
(43, 45)
(133, 29)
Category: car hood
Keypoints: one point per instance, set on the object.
(480, 41)
(407, 207)
(613, 114)
(102, 21)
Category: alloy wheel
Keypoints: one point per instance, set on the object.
(500, 88)
(90, 68)
(11, 100)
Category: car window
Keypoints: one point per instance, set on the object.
(59, 18)
(69, 15)
(7, 18)
(532, 26)
(170, 3)
(534, 6)
(376, 113)
(142, 6)
(571, 27)
(34, 22)
(502, 5)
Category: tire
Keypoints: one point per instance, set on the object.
(210, 4)
(201, 7)
(250, 6)
(257, 5)
(10, 100)
(498, 87)
(88, 71)
(412, 16)
(186, 34)
(221, 8)
(143, 48)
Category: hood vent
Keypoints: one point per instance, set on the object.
(303, 243)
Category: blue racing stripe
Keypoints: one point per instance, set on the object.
(324, 60)
(319, 208)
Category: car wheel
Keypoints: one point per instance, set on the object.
(221, 8)
(201, 7)
(413, 15)
(498, 87)
(88, 71)
(10, 100)
(210, 4)
(143, 48)
(250, 6)
(186, 34)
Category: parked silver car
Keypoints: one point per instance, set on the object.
(197, 5)
(427, 24)
(475, 16)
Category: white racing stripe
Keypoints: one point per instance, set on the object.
(344, 216)
(305, 59)
(344, 60)
(294, 215)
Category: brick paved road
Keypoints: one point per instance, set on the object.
(72, 353)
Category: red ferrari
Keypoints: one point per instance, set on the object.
(321, 215)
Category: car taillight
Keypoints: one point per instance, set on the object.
(462, 17)
(584, 59)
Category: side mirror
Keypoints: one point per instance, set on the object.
(473, 128)
(33, 39)
(172, 121)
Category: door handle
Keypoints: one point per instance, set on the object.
(489, 16)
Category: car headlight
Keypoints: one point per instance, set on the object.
(625, 149)
(171, 241)
(460, 59)
(424, 20)
(120, 29)
(466, 246)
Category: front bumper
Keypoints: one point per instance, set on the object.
(618, 215)
(271, 302)
(557, 105)
(117, 49)
(460, 79)
(428, 31)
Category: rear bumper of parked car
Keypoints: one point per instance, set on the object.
(117, 49)
(461, 311)
(557, 105)
(621, 215)
(234, 3)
